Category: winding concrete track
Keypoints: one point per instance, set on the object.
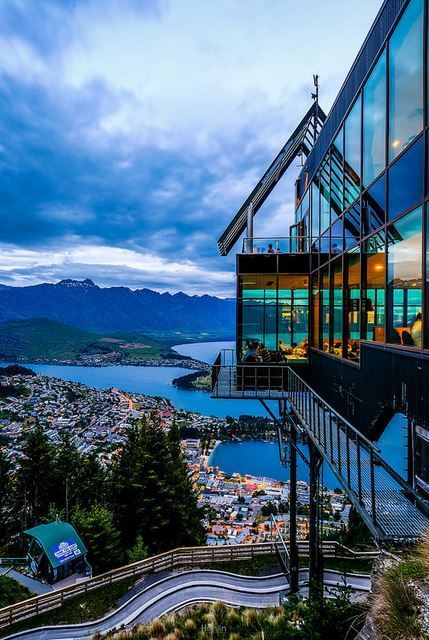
(181, 589)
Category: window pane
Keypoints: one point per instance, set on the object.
(316, 311)
(352, 131)
(325, 291)
(374, 122)
(406, 79)
(373, 288)
(405, 280)
(406, 181)
(374, 207)
(352, 227)
(337, 237)
(315, 208)
(353, 305)
(337, 299)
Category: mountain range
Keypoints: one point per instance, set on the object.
(87, 306)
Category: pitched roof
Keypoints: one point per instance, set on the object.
(59, 540)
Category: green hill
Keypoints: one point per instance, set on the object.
(40, 338)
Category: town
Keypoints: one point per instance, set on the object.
(239, 509)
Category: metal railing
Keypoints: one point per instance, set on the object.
(286, 244)
(177, 558)
(232, 379)
(391, 508)
(281, 546)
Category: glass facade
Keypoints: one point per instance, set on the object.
(406, 79)
(273, 326)
(368, 196)
(374, 122)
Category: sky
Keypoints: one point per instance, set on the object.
(131, 131)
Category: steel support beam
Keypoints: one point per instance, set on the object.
(293, 547)
(315, 542)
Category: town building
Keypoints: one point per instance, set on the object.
(56, 552)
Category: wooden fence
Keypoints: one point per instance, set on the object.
(175, 559)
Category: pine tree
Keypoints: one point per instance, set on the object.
(5, 498)
(151, 493)
(99, 533)
(66, 472)
(35, 477)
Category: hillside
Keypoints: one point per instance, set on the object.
(91, 308)
(40, 338)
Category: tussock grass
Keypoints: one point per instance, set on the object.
(396, 607)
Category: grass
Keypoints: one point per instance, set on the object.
(85, 608)
(41, 338)
(269, 564)
(12, 591)
(254, 567)
(220, 622)
(396, 608)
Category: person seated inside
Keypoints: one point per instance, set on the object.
(249, 351)
(284, 349)
(270, 249)
(263, 353)
(298, 350)
(416, 330)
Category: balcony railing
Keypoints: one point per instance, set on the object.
(266, 246)
(329, 245)
(235, 379)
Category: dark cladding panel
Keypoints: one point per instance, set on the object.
(294, 263)
(256, 263)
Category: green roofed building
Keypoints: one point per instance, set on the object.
(56, 552)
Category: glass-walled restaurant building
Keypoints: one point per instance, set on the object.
(346, 295)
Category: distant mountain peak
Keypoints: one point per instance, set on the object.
(69, 282)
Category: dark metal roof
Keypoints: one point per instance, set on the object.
(302, 139)
(367, 55)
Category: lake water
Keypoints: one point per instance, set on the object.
(254, 457)
(157, 381)
(261, 459)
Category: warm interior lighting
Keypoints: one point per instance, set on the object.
(379, 267)
(396, 144)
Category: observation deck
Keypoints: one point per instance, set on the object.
(390, 507)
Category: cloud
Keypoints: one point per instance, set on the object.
(132, 130)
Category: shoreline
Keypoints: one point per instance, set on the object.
(208, 457)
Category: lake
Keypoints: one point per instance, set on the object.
(256, 458)
(157, 381)
(261, 459)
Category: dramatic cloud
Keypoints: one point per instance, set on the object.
(132, 130)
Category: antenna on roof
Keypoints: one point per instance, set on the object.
(315, 97)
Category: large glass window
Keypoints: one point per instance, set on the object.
(315, 208)
(352, 153)
(353, 305)
(373, 287)
(258, 313)
(374, 122)
(293, 313)
(337, 307)
(405, 280)
(273, 317)
(325, 291)
(316, 311)
(406, 79)
(406, 181)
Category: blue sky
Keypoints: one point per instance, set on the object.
(132, 130)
